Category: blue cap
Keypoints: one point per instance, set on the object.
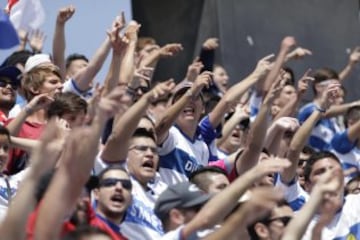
(13, 73)
(9, 37)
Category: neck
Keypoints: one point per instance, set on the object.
(189, 129)
(38, 117)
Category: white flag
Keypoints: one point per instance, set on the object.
(27, 14)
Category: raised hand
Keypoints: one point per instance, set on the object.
(132, 31)
(275, 90)
(355, 56)
(203, 80)
(288, 42)
(269, 166)
(264, 65)
(303, 83)
(161, 90)
(170, 49)
(116, 101)
(330, 95)
(211, 44)
(23, 36)
(299, 53)
(287, 124)
(65, 14)
(145, 73)
(194, 70)
(41, 101)
(117, 42)
(36, 40)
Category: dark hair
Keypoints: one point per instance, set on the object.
(66, 103)
(313, 159)
(352, 113)
(18, 57)
(323, 74)
(200, 177)
(143, 132)
(251, 228)
(292, 75)
(308, 150)
(74, 57)
(356, 178)
(84, 231)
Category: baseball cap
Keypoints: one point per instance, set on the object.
(9, 37)
(36, 60)
(181, 88)
(181, 195)
(13, 73)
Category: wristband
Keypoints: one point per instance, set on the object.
(322, 110)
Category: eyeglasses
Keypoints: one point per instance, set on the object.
(285, 220)
(110, 182)
(3, 84)
(144, 148)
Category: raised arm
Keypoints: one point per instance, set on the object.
(286, 44)
(43, 159)
(261, 201)
(59, 42)
(168, 50)
(220, 206)
(36, 40)
(300, 138)
(235, 92)
(354, 58)
(168, 118)
(70, 178)
(256, 139)
(329, 183)
(116, 147)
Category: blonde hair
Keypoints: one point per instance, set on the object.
(35, 78)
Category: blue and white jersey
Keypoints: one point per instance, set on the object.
(346, 151)
(71, 86)
(140, 221)
(14, 181)
(294, 194)
(180, 155)
(324, 130)
(344, 226)
(255, 104)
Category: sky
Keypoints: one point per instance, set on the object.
(86, 30)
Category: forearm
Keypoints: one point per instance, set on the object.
(354, 132)
(271, 77)
(289, 110)
(116, 147)
(127, 68)
(85, 77)
(298, 225)
(272, 140)
(111, 79)
(346, 71)
(337, 110)
(227, 129)
(59, 44)
(151, 60)
(15, 125)
(27, 145)
(297, 144)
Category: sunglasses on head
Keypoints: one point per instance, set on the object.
(110, 182)
(285, 220)
(3, 84)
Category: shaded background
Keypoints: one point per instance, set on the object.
(249, 30)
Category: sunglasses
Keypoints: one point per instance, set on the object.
(144, 148)
(285, 220)
(3, 84)
(110, 182)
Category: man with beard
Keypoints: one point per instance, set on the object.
(9, 82)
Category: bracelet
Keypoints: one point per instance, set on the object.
(322, 110)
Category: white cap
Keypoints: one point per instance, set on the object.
(36, 60)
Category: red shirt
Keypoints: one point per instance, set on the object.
(18, 158)
(67, 227)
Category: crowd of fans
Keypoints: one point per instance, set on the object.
(135, 158)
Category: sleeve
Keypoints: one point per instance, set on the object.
(305, 113)
(207, 131)
(293, 193)
(71, 86)
(255, 103)
(169, 144)
(341, 142)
